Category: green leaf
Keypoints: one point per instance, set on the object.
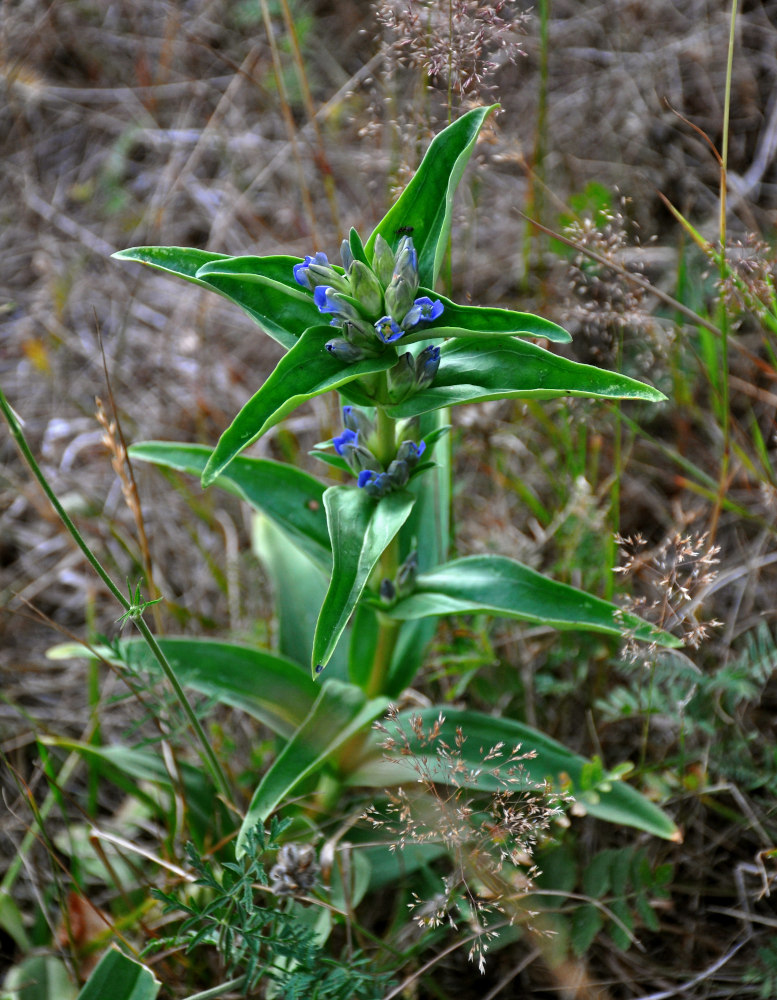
(299, 588)
(259, 299)
(266, 289)
(466, 321)
(39, 977)
(360, 529)
(427, 528)
(426, 204)
(357, 247)
(597, 875)
(266, 686)
(587, 921)
(501, 586)
(340, 712)
(620, 804)
(121, 978)
(291, 498)
(306, 371)
(12, 922)
(474, 370)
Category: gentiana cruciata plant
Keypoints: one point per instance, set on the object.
(361, 569)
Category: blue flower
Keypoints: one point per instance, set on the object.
(374, 484)
(410, 452)
(426, 365)
(329, 300)
(423, 310)
(345, 352)
(388, 330)
(347, 437)
(301, 270)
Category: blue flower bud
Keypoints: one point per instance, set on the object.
(388, 331)
(399, 297)
(356, 420)
(406, 575)
(343, 351)
(387, 591)
(366, 288)
(398, 473)
(406, 262)
(301, 270)
(407, 429)
(423, 310)
(401, 378)
(383, 261)
(426, 365)
(346, 256)
(410, 453)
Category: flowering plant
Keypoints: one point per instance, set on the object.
(361, 570)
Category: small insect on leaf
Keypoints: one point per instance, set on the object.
(404, 231)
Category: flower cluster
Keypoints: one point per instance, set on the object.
(295, 871)
(371, 306)
(355, 446)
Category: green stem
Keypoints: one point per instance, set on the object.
(388, 630)
(167, 670)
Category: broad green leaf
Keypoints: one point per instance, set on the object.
(183, 262)
(258, 300)
(288, 496)
(306, 371)
(299, 587)
(426, 204)
(39, 977)
(340, 712)
(474, 370)
(264, 685)
(506, 588)
(119, 977)
(266, 289)
(469, 321)
(365, 628)
(618, 804)
(360, 529)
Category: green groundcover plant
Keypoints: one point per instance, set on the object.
(361, 570)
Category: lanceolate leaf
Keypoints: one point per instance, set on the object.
(424, 208)
(265, 288)
(269, 687)
(341, 712)
(298, 590)
(288, 496)
(474, 370)
(360, 529)
(306, 371)
(615, 802)
(468, 321)
(509, 589)
(272, 296)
